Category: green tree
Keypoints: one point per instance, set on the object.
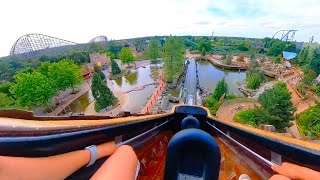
(96, 47)
(6, 101)
(303, 55)
(111, 55)
(228, 60)
(204, 44)
(275, 49)
(255, 75)
(98, 70)
(312, 55)
(244, 45)
(309, 121)
(63, 74)
(115, 68)
(153, 50)
(212, 104)
(308, 77)
(173, 57)
(114, 48)
(101, 93)
(220, 90)
(277, 59)
(277, 103)
(5, 87)
(126, 55)
(315, 62)
(203, 52)
(32, 89)
(78, 57)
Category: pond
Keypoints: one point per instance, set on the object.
(209, 75)
(138, 99)
(137, 78)
(78, 106)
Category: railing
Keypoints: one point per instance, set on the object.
(153, 99)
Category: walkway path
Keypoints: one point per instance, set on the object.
(142, 63)
(138, 88)
(62, 106)
(229, 109)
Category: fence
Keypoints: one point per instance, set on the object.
(147, 109)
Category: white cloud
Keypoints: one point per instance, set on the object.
(82, 20)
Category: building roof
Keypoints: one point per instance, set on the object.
(288, 55)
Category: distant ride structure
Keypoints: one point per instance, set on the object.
(102, 39)
(32, 44)
(286, 35)
(36, 42)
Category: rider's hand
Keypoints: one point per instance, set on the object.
(289, 171)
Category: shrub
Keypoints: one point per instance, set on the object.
(309, 121)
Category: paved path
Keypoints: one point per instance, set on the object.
(62, 106)
(228, 110)
(298, 100)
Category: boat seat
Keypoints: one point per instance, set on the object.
(190, 122)
(192, 154)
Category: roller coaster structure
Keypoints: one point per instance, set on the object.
(287, 35)
(31, 43)
(35, 42)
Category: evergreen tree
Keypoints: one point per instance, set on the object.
(98, 70)
(173, 57)
(220, 90)
(203, 52)
(315, 65)
(303, 56)
(153, 51)
(101, 93)
(115, 68)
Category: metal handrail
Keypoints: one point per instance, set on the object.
(140, 135)
(264, 160)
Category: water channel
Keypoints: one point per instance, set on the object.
(209, 75)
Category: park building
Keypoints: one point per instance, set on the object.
(101, 60)
(287, 57)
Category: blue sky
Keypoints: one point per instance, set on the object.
(81, 20)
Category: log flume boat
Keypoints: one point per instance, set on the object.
(187, 143)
